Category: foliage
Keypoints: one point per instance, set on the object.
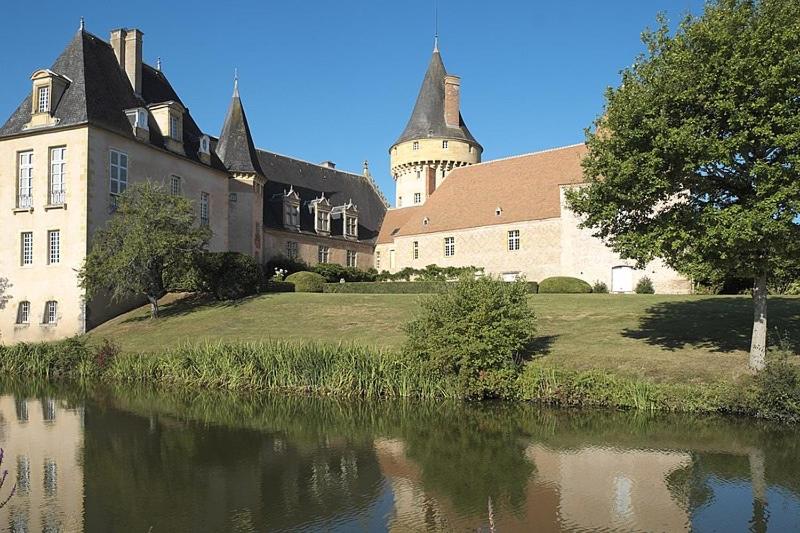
(48, 360)
(333, 272)
(478, 331)
(564, 285)
(106, 353)
(151, 233)
(4, 297)
(778, 388)
(430, 273)
(645, 286)
(401, 287)
(695, 159)
(306, 281)
(290, 266)
(228, 275)
(599, 287)
(278, 286)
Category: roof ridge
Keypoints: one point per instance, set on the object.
(538, 152)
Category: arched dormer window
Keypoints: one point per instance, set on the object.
(321, 208)
(291, 209)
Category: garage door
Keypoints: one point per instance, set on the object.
(622, 279)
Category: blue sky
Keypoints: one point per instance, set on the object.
(336, 80)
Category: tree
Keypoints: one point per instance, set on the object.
(695, 159)
(152, 233)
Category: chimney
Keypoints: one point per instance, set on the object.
(452, 100)
(118, 44)
(130, 55)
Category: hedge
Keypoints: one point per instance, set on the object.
(564, 285)
(278, 286)
(398, 287)
(306, 281)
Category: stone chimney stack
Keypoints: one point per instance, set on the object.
(118, 44)
(452, 100)
(133, 59)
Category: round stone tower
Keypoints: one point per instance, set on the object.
(436, 139)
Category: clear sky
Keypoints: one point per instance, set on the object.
(337, 80)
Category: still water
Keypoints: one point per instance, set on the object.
(136, 460)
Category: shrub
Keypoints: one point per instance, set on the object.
(277, 286)
(778, 388)
(401, 287)
(645, 286)
(600, 287)
(306, 281)
(563, 285)
(333, 272)
(477, 331)
(289, 265)
(228, 275)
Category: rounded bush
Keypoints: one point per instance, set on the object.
(225, 275)
(306, 281)
(564, 285)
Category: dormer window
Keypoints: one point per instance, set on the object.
(322, 215)
(174, 127)
(205, 144)
(139, 122)
(415, 145)
(44, 99)
(169, 117)
(498, 211)
(291, 210)
(349, 214)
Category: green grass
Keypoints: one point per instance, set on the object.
(665, 339)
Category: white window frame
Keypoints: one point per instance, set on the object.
(322, 221)
(350, 226)
(352, 258)
(58, 175)
(323, 254)
(291, 214)
(415, 145)
(513, 240)
(24, 312)
(205, 201)
(449, 246)
(174, 127)
(26, 248)
(25, 180)
(117, 171)
(444, 145)
(417, 197)
(292, 249)
(175, 185)
(415, 250)
(53, 247)
(43, 99)
(51, 312)
(377, 260)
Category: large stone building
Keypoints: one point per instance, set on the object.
(508, 216)
(99, 120)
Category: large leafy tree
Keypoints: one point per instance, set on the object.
(152, 234)
(695, 159)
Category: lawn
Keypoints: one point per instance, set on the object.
(663, 338)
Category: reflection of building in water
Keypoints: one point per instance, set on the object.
(589, 488)
(43, 441)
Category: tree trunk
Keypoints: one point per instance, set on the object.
(153, 306)
(758, 343)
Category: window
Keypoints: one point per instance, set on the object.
(323, 254)
(23, 474)
(419, 174)
(204, 199)
(174, 127)
(351, 226)
(417, 197)
(25, 184)
(444, 144)
(24, 313)
(51, 312)
(377, 260)
(292, 215)
(53, 247)
(44, 100)
(470, 149)
(415, 250)
(26, 240)
(449, 246)
(233, 197)
(48, 410)
(399, 201)
(513, 240)
(58, 163)
(323, 220)
(291, 249)
(50, 475)
(118, 171)
(175, 185)
(415, 145)
(205, 144)
(352, 258)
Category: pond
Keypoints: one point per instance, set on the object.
(137, 460)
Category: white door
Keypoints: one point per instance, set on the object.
(622, 279)
(510, 276)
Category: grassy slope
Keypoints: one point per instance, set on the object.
(663, 338)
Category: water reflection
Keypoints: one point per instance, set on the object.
(210, 462)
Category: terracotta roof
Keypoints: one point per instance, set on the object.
(394, 220)
(524, 187)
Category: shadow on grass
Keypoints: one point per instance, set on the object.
(717, 324)
(539, 347)
(188, 305)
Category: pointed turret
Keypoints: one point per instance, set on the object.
(235, 147)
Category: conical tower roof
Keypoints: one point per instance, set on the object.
(235, 147)
(427, 120)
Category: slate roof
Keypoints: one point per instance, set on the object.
(99, 94)
(427, 119)
(309, 181)
(525, 187)
(235, 146)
